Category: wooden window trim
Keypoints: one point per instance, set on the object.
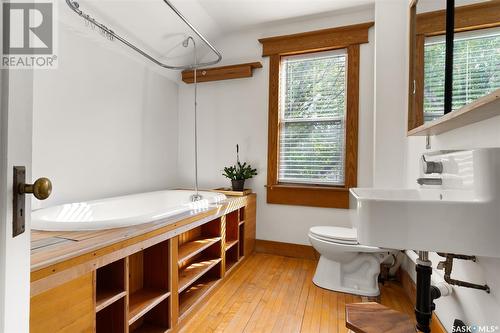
(314, 195)
(467, 18)
(314, 41)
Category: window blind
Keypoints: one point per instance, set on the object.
(312, 118)
(476, 69)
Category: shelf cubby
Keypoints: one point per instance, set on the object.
(230, 244)
(195, 246)
(232, 222)
(241, 241)
(232, 257)
(242, 215)
(111, 319)
(196, 291)
(192, 272)
(197, 240)
(144, 300)
(200, 250)
(110, 284)
(148, 281)
(156, 320)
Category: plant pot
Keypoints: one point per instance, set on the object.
(238, 185)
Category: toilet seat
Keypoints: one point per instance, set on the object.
(339, 235)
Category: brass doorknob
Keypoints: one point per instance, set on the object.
(41, 189)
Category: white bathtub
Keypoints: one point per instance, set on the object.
(119, 212)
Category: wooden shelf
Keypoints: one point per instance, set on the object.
(150, 328)
(190, 249)
(194, 271)
(481, 109)
(195, 294)
(143, 300)
(221, 73)
(105, 298)
(230, 244)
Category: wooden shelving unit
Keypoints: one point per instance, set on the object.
(221, 73)
(132, 293)
(155, 284)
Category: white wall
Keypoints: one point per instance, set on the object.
(472, 306)
(104, 123)
(390, 101)
(236, 111)
(397, 161)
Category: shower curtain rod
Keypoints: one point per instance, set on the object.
(74, 5)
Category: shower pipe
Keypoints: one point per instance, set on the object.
(75, 6)
(196, 196)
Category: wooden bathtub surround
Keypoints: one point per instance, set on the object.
(150, 279)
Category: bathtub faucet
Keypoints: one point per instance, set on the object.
(196, 197)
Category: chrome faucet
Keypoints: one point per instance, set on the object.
(430, 181)
(431, 166)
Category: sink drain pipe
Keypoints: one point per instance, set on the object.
(426, 293)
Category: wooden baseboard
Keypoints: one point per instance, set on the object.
(410, 289)
(286, 249)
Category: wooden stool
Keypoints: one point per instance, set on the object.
(375, 318)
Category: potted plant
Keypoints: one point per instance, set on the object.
(238, 173)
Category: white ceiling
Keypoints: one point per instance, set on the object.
(232, 15)
(153, 26)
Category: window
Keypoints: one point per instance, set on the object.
(476, 68)
(313, 116)
(476, 60)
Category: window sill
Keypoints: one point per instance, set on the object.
(308, 195)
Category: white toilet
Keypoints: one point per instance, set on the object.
(345, 265)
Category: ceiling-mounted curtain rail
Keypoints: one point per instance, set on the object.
(112, 35)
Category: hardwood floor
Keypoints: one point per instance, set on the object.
(270, 293)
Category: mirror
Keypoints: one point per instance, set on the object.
(474, 64)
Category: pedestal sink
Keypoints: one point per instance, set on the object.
(460, 216)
